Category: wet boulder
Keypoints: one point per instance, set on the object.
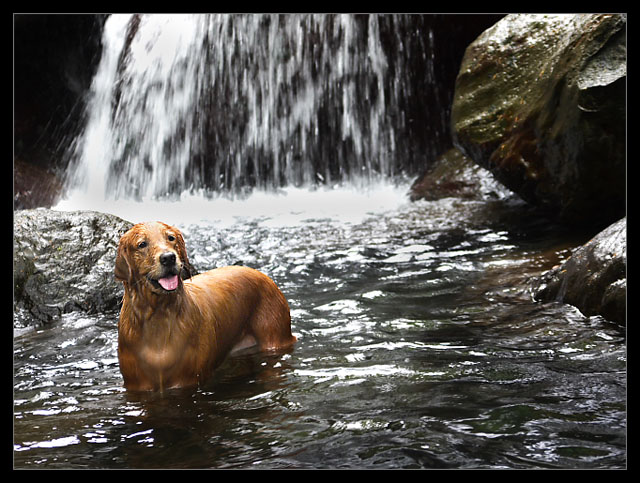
(63, 261)
(540, 101)
(594, 278)
(453, 175)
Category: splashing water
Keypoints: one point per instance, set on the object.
(225, 103)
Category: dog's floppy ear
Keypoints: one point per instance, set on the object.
(187, 270)
(123, 270)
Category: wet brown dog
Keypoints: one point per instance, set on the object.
(176, 329)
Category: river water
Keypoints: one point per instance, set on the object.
(418, 347)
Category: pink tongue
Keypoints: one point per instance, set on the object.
(169, 283)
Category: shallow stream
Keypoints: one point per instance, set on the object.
(418, 347)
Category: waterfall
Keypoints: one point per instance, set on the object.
(226, 103)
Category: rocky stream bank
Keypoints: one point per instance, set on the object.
(540, 102)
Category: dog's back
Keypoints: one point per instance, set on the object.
(174, 332)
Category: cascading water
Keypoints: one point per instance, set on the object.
(224, 103)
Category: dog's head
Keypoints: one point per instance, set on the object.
(152, 255)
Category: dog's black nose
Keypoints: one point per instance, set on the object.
(168, 259)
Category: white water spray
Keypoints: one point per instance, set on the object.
(190, 106)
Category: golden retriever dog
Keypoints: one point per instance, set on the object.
(175, 329)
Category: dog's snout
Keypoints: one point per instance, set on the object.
(168, 259)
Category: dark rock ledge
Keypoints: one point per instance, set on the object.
(594, 278)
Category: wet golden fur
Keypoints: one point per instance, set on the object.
(176, 338)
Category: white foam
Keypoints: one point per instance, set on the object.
(287, 207)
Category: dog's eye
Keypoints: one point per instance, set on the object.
(171, 238)
(142, 244)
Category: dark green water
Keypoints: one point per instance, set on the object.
(418, 348)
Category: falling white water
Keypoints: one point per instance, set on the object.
(139, 135)
(90, 165)
(225, 103)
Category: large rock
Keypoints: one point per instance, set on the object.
(453, 175)
(594, 278)
(540, 101)
(63, 261)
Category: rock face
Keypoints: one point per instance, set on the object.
(594, 277)
(540, 101)
(33, 186)
(63, 261)
(54, 60)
